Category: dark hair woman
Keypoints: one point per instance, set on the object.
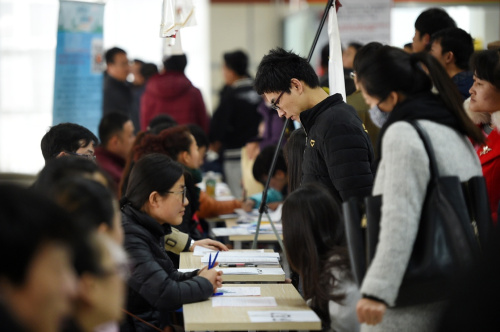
(156, 200)
(484, 109)
(396, 85)
(312, 218)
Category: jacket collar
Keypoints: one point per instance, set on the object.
(308, 117)
(147, 222)
(100, 150)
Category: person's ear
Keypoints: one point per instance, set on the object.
(113, 141)
(426, 38)
(154, 199)
(449, 57)
(296, 85)
(393, 98)
(184, 157)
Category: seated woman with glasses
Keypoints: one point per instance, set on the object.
(155, 200)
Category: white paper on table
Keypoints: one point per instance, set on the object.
(251, 271)
(201, 251)
(283, 316)
(239, 291)
(221, 301)
(244, 257)
(186, 270)
(226, 231)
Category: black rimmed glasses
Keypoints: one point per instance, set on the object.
(182, 192)
(82, 155)
(274, 105)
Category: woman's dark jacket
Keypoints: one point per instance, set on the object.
(155, 288)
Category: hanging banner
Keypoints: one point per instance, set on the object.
(365, 21)
(335, 68)
(79, 64)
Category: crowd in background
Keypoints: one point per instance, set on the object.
(94, 243)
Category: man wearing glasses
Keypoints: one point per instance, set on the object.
(338, 151)
(68, 139)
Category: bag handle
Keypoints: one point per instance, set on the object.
(428, 147)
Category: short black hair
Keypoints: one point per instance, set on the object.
(109, 56)
(457, 41)
(161, 122)
(111, 124)
(59, 169)
(277, 68)
(65, 137)
(237, 61)
(200, 136)
(432, 20)
(355, 45)
(24, 230)
(175, 63)
(263, 163)
(364, 52)
(148, 69)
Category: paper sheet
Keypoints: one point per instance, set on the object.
(201, 251)
(186, 270)
(251, 271)
(222, 301)
(244, 257)
(239, 291)
(283, 316)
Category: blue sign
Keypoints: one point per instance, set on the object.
(79, 64)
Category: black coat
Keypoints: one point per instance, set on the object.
(155, 288)
(117, 96)
(236, 120)
(338, 151)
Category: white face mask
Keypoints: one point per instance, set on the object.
(378, 117)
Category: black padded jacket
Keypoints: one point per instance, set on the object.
(338, 152)
(155, 288)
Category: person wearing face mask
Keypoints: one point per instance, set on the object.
(394, 82)
(155, 201)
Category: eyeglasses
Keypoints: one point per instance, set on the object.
(274, 105)
(86, 156)
(183, 192)
(352, 74)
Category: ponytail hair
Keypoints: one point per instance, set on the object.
(392, 69)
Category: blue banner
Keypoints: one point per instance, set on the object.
(79, 64)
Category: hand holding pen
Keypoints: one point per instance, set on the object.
(214, 276)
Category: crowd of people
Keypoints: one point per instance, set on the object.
(94, 243)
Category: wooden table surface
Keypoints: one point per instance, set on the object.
(189, 261)
(202, 316)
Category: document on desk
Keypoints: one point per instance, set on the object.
(245, 257)
(251, 271)
(221, 301)
(283, 316)
(201, 251)
(228, 231)
(239, 291)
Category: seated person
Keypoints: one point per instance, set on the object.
(155, 200)
(37, 242)
(277, 184)
(209, 207)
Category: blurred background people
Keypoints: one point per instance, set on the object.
(117, 91)
(172, 93)
(427, 23)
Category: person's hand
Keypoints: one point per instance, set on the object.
(212, 275)
(370, 312)
(248, 205)
(210, 244)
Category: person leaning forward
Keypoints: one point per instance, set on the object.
(338, 151)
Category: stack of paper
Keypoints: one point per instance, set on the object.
(238, 291)
(222, 301)
(257, 258)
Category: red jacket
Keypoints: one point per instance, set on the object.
(489, 156)
(174, 94)
(111, 163)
